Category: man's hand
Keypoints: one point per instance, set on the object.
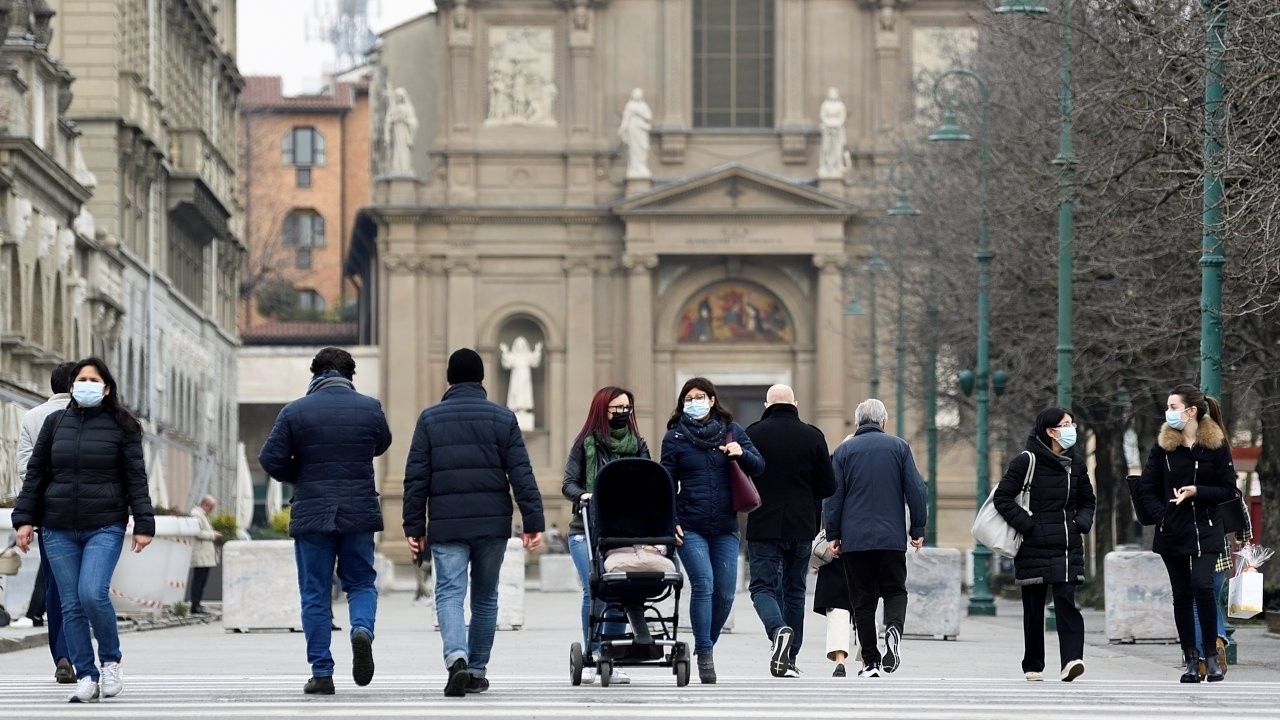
(835, 548)
(531, 540)
(416, 544)
(140, 542)
(24, 538)
(917, 543)
(679, 536)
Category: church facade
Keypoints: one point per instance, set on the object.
(636, 192)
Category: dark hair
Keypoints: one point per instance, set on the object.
(705, 385)
(332, 358)
(61, 378)
(597, 422)
(1048, 418)
(111, 400)
(1193, 396)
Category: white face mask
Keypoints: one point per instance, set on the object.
(697, 409)
(88, 394)
(1174, 419)
(1066, 437)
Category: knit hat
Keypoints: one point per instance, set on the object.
(465, 365)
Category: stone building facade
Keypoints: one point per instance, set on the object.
(646, 191)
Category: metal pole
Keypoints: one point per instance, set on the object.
(900, 348)
(1066, 162)
(980, 600)
(872, 269)
(931, 411)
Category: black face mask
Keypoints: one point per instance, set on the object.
(619, 420)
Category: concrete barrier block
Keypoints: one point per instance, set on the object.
(260, 586)
(386, 569)
(1138, 597)
(557, 573)
(935, 603)
(511, 587)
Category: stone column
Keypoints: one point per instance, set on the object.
(580, 335)
(461, 323)
(677, 90)
(888, 58)
(399, 350)
(582, 103)
(639, 351)
(828, 345)
(794, 115)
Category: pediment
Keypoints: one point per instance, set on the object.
(734, 189)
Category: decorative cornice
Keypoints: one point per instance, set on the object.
(639, 262)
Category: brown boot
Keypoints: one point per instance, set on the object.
(65, 674)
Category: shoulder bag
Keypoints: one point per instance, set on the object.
(745, 496)
(991, 529)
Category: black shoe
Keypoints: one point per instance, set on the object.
(1192, 674)
(1214, 671)
(781, 656)
(892, 649)
(459, 678)
(65, 674)
(361, 657)
(839, 671)
(477, 685)
(197, 610)
(706, 669)
(319, 686)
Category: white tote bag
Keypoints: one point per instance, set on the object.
(990, 527)
(1244, 598)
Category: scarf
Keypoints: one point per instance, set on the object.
(328, 378)
(622, 443)
(707, 434)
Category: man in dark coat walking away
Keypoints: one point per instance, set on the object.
(467, 458)
(796, 478)
(324, 444)
(876, 477)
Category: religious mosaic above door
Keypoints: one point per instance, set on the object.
(733, 311)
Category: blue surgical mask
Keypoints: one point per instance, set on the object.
(88, 394)
(1174, 418)
(697, 409)
(1066, 437)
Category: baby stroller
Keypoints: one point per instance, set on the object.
(633, 504)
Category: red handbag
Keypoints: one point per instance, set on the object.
(745, 496)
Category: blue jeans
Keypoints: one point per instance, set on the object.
(1219, 579)
(450, 562)
(578, 551)
(778, 570)
(52, 606)
(315, 554)
(712, 564)
(82, 562)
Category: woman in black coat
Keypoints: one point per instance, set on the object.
(831, 598)
(1059, 510)
(85, 477)
(1188, 474)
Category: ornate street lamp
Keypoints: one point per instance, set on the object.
(900, 208)
(980, 600)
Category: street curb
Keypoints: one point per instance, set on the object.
(25, 642)
(126, 624)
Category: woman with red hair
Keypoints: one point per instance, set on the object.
(608, 433)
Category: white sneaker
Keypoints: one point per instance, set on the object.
(86, 691)
(112, 679)
(21, 623)
(617, 677)
(1073, 670)
(588, 675)
(870, 671)
(1033, 676)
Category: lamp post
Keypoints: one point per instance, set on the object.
(980, 600)
(874, 267)
(1212, 259)
(902, 207)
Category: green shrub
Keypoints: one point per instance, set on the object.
(224, 523)
(280, 522)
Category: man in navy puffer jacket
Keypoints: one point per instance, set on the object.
(467, 458)
(324, 444)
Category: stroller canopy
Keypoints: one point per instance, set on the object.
(634, 497)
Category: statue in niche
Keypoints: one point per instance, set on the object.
(521, 359)
(522, 89)
(833, 157)
(886, 15)
(637, 121)
(401, 127)
(461, 15)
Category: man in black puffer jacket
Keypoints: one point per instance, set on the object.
(466, 459)
(324, 444)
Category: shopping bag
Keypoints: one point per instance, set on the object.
(1244, 599)
(991, 529)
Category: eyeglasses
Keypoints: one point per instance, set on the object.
(1066, 425)
(694, 398)
(619, 408)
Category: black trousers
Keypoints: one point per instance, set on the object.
(199, 578)
(1069, 620)
(871, 575)
(36, 606)
(1191, 578)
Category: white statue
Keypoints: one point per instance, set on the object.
(520, 359)
(19, 218)
(522, 89)
(401, 127)
(637, 121)
(833, 158)
(66, 245)
(48, 236)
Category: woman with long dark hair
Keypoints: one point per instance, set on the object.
(701, 440)
(85, 477)
(608, 433)
(1189, 472)
(1059, 511)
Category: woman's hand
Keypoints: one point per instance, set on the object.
(732, 449)
(679, 536)
(1186, 492)
(24, 538)
(584, 497)
(140, 542)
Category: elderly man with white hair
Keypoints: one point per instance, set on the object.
(204, 554)
(866, 526)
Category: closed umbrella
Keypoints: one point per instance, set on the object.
(274, 499)
(244, 493)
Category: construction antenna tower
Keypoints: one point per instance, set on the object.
(344, 24)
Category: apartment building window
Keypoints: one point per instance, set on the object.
(310, 303)
(733, 50)
(303, 148)
(303, 231)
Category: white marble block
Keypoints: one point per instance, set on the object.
(156, 578)
(511, 587)
(557, 573)
(1138, 597)
(260, 586)
(935, 603)
(386, 569)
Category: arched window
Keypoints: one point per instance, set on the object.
(733, 52)
(303, 230)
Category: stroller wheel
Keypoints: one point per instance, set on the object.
(604, 669)
(682, 672)
(575, 663)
